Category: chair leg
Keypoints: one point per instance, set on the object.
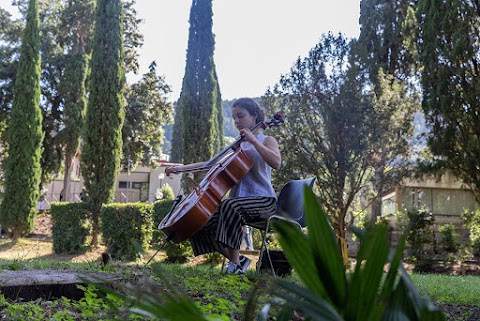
(264, 249)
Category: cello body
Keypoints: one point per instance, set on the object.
(226, 169)
(191, 214)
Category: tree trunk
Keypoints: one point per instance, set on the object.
(343, 240)
(16, 234)
(95, 228)
(376, 209)
(67, 178)
(378, 186)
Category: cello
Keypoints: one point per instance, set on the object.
(225, 170)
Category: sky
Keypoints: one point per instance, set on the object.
(256, 41)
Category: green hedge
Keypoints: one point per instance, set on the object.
(125, 227)
(160, 209)
(176, 253)
(70, 227)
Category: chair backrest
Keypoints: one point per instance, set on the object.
(290, 199)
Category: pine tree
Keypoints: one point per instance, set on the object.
(102, 146)
(200, 100)
(25, 136)
(325, 131)
(449, 54)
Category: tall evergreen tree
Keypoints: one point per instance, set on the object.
(10, 36)
(387, 65)
(201, 125)
(102, 146)
(176, 150)
(25, 136)
(57, 22)
(79, 21)
(381, 44)
(449, 43)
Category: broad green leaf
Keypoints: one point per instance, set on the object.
(367, 277)
(286, 314)
(306, 302)
(328, 259)
(401, 303)
(392, 276)
(298, 252)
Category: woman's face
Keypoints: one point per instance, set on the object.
(242, 118)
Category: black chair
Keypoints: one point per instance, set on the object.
(290, 208)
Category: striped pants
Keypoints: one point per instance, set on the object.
(224, 229)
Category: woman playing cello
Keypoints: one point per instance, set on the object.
(251, 199)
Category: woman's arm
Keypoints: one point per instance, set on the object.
(269, 150)
(182, 168)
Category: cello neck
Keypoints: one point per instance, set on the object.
(277, 120)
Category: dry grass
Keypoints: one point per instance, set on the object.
(27, 249)
(39, 246)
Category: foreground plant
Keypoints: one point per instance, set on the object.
(329, 292)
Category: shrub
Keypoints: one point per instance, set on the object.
(160, 208)
(449, 238)
(471, 220)
(420, 234)
(176, 253)
(70, 227)
(167, 192)
(327, 291)
(124, 226)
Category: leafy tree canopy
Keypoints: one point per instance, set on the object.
(146, 113)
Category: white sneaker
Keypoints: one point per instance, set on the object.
(232, 268)
(244, 263)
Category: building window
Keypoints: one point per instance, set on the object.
(137, 185)
(452, 202)
(438, 201)
(389, 206)
(417, 198)
(123, 184)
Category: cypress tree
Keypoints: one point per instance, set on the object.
(73, 84)
(200, 100)
(25, 136)
(386, 62)
(381, 44)
(102, 147)
(449, 53)
(176, 146)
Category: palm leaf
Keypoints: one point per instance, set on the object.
(392, 275)
(326, 251)
(298, 252)
(367, 277)
(306, 302)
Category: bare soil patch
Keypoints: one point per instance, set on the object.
(43, 227)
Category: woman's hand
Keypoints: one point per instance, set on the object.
(171, 169)
(247, 135)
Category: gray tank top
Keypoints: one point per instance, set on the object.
(257, 182)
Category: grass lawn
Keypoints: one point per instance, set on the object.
(448, 289)
(214, 293)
